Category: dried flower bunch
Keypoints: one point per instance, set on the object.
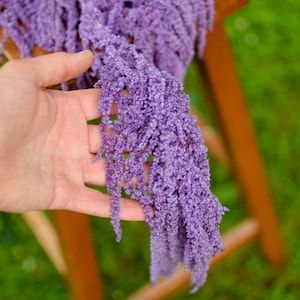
(142, 49)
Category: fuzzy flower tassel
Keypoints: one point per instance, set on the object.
(154, 125)
(141, 49)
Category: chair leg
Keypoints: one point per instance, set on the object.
(46, 235)
(224, 90)
(76, 241)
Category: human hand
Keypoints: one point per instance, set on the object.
(46, 145)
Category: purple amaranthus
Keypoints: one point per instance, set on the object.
(163, 30)
(139, 47)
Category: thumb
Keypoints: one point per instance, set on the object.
(55, 68)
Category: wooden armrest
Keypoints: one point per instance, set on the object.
(225, 8)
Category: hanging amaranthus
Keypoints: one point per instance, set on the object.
(140, 48)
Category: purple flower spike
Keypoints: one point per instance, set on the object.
(142, 50)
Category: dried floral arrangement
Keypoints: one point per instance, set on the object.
(142, 50)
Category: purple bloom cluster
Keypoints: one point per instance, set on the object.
(139, 47)
(51, 24)
(163, 30)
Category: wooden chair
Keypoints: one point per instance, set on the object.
(71, 240)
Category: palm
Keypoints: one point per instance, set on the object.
(47, 156)
(68, 146)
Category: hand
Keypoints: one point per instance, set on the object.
(46, 145)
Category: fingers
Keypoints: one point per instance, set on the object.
(55, 68)
(97, 204)
(95, 140)
(94, 172)
(89, 101)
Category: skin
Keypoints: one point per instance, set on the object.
(46, 145)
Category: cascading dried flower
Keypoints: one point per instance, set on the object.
(163, 30)
(139, 47)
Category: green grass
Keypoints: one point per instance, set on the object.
(266, 47)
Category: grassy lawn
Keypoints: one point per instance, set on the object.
(266, 47)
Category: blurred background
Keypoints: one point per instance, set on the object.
(266, 47)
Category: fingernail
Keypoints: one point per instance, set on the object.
(84, 52)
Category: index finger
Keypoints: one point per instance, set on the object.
(54, 68)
